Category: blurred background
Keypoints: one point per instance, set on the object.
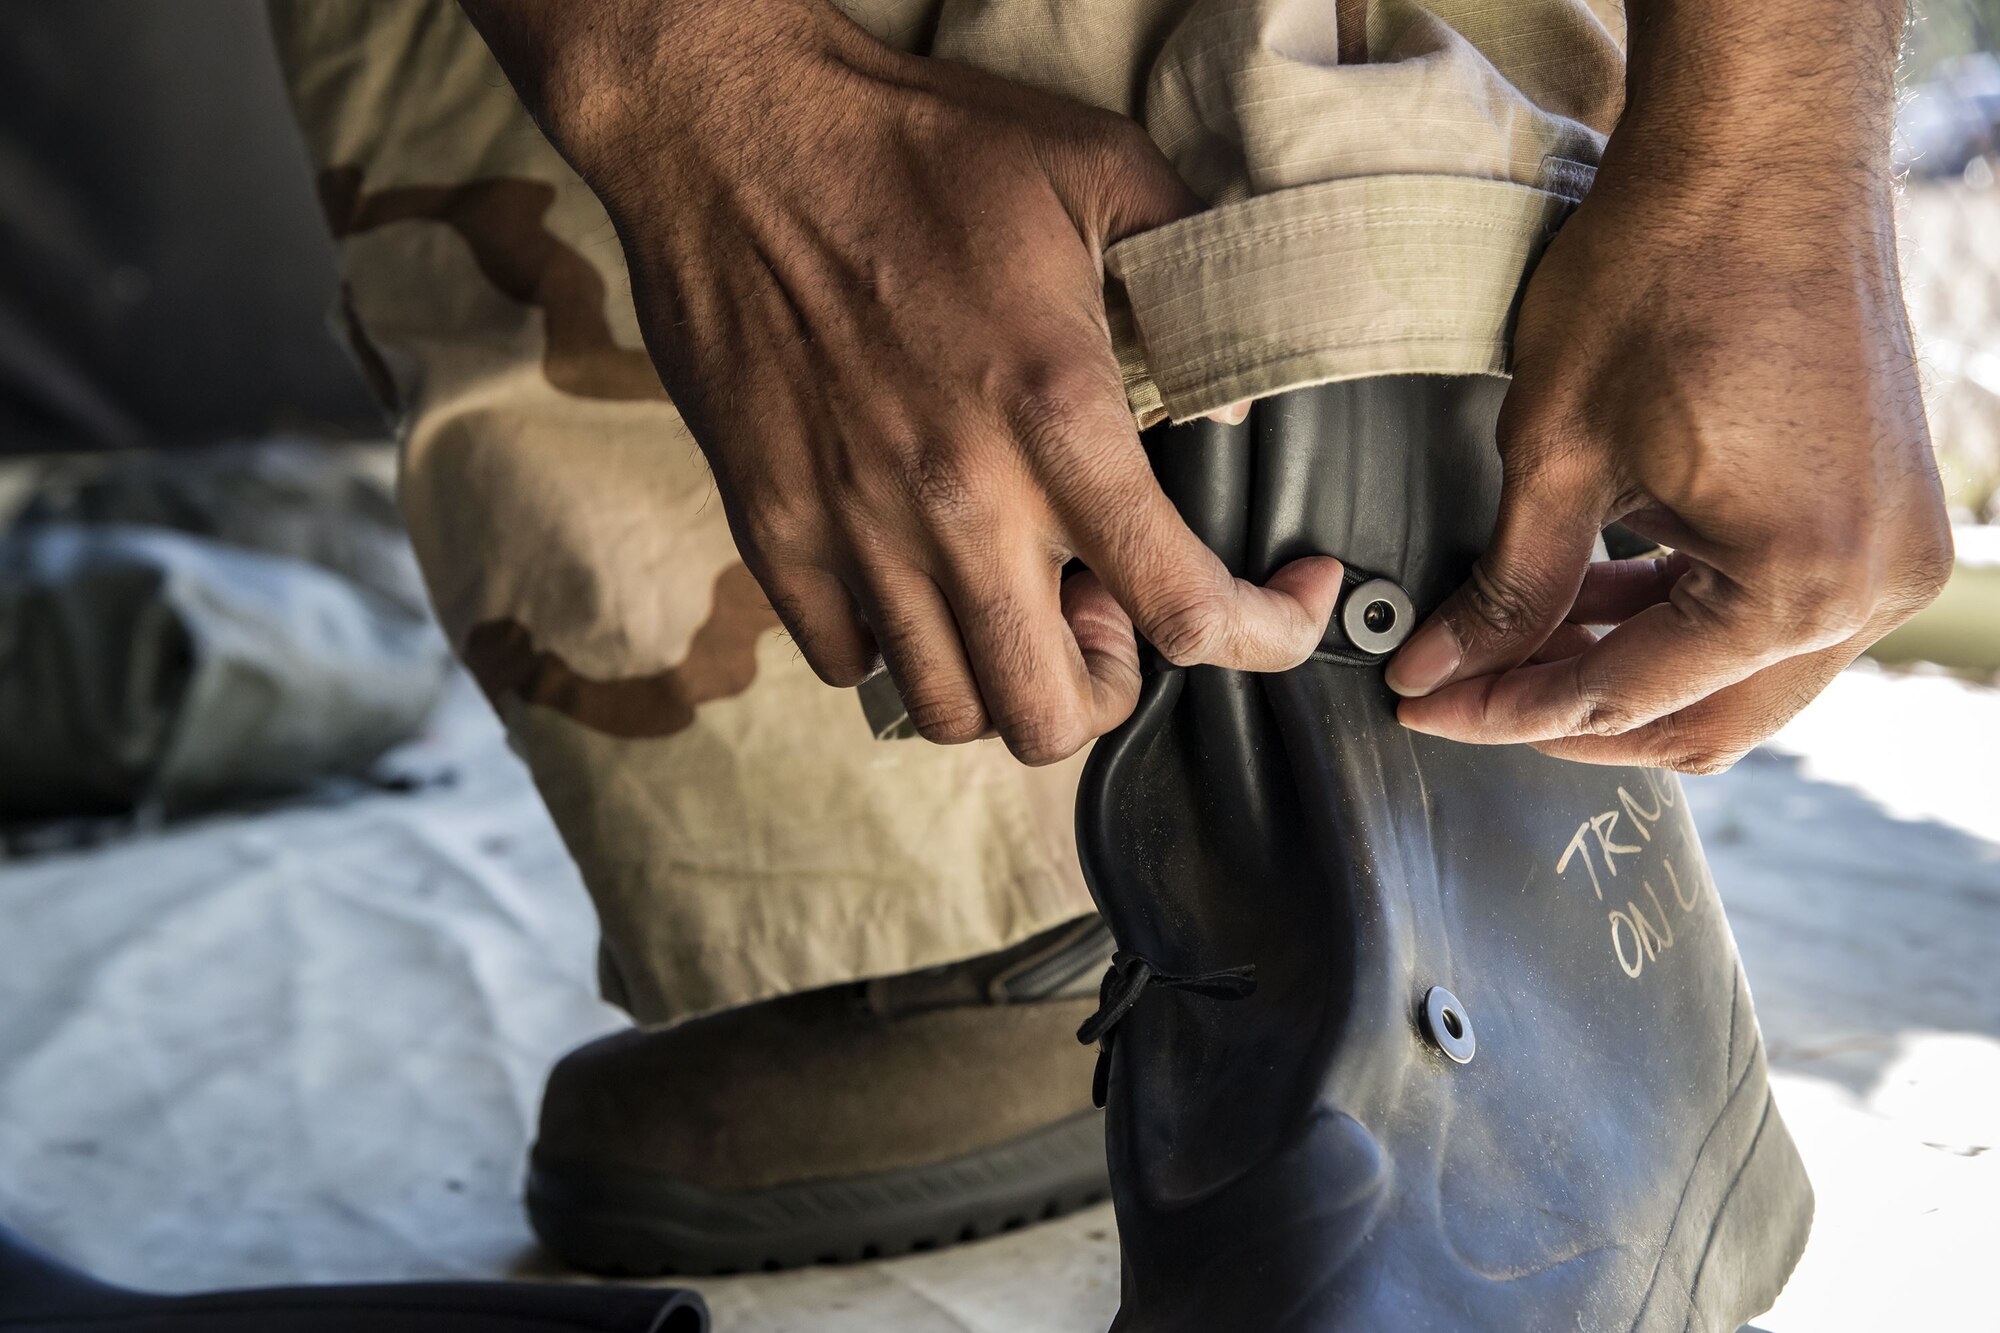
(287, 941)
(1948, 145)
(165, 271)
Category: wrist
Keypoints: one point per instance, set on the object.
(606, 79)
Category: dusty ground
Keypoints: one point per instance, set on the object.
(307, 1044)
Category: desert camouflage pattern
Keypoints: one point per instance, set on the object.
(1382, 175)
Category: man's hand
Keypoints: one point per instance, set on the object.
(872, 284)
(1715, 350)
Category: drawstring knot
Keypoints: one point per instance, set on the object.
(1126, 980)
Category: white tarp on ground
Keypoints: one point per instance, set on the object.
(307, 1043)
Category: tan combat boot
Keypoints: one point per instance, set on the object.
(839, 1124)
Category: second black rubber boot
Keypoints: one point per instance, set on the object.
(40, 1294)
(1405, 1034)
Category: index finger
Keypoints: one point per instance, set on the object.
(1711, 735)
(1665, 658)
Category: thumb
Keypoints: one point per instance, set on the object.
(1115, 182)
(1520, 588)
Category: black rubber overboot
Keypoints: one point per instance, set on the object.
(1405, 1034)
(39, 1294)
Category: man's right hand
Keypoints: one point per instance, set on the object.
(873, 286)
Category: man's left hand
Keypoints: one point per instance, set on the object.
(1726, 367)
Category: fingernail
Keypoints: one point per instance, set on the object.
(1233, 415)
(1426, 661)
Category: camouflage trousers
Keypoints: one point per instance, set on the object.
(1382, 174)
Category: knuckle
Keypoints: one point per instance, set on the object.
(944, 492)
(1699, 742)
(1073, 433)
(938, 480)
(1189, 630)
(778, 530)
(946, 718)
(1604, 714)
(1045, 736)
(926, 114)
(1827, 600)
(1050, 414)
(1704, 601)
(1497, 602)
(1706, 761)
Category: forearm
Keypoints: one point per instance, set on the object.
(1744, 96)
(598, 74)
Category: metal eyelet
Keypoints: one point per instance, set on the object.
(1377, 616)
(1448, 1025)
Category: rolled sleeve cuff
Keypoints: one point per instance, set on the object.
(1374, 275)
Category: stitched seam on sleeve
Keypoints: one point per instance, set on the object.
(1238, 370)
(1237, 243)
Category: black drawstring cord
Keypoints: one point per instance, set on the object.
(1125, 981)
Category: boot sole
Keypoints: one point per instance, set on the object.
(630, 1223)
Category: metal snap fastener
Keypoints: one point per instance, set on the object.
(1448, 1025)
(1377, 616)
